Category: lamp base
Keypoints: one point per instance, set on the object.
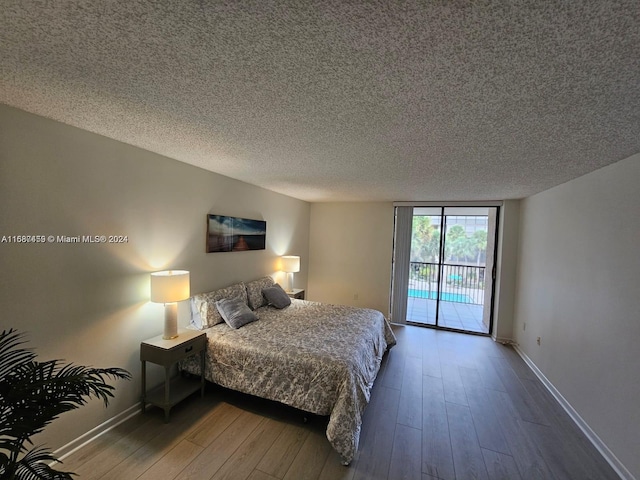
(170, 321)
(289, 282)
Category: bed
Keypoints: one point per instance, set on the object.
(316, 357)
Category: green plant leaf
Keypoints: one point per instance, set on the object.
(32, 395)
(34, 466)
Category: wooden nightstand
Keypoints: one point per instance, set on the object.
(297, 293)
(167, 353)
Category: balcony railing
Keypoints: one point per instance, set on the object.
(459, 283)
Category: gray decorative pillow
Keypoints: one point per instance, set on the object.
(235, 312)
(204, 304)
(254, 292)
(276, 296)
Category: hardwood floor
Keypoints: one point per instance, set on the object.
(445, 406)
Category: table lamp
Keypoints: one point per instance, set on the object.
(169, 287)
(290, 264)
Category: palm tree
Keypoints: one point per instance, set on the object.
(421, 233)
(433, 246)
(480, 243)
(32, 395)
(451, 243)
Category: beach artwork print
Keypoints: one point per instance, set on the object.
(232, 234)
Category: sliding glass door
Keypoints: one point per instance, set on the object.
(449, 276)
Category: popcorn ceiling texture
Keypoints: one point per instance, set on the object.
(339, 100)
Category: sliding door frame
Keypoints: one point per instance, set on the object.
(494, 269)
(497, 204)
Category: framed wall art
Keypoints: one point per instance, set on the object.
(233, 234)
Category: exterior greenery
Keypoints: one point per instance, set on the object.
(459, 247)
(32, 395)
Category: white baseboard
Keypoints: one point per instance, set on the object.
(94, 433)
(608, 455)
(503, 340)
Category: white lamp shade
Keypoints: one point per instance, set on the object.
(170, 286)
(290, 263)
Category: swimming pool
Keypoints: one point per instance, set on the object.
(444, 296)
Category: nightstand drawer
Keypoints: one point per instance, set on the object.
(297, 293)
(169, 356)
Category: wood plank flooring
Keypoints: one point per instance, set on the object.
(444, 406)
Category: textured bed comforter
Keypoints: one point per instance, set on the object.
(317, 357)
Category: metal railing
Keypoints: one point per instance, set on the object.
(459, 283)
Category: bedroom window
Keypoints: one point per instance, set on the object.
(443, 268)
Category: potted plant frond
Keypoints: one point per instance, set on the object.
(32, 395)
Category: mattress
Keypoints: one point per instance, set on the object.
(316, 357)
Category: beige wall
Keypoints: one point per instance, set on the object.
(88, 303)
(350, 254)
(578, 289)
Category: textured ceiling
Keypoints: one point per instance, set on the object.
(338, 100)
